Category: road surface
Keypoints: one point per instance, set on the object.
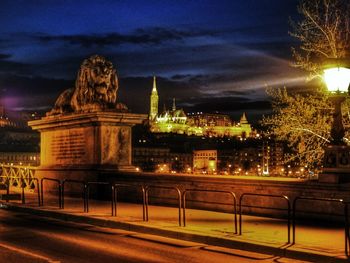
(26, 238)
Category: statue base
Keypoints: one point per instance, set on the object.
(336, 167)
(78, 145)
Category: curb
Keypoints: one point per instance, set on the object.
(282, 251)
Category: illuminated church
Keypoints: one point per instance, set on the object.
(198, 123)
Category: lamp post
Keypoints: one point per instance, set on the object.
(336, 165)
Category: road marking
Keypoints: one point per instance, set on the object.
(166, 240)
(28, 253)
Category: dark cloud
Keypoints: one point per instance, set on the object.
(279, 48)
(310, 87)
(35, 92)
(206, 66)
(13, 67)
(232, 93)
(23, 92)
(147, 36)
(4, 56)
(135, 92)
(233, 106)
(23, 85)
(225, 104)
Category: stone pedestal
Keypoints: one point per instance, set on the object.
(75, 145)
(336, 167)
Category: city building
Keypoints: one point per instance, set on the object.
(205, 161)
(162, 160)
(273, 158)
(19, 145)
(167, 152)
(20, 158)
(198, 123)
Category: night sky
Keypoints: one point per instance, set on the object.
(210, 55)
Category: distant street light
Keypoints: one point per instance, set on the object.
(336, 166)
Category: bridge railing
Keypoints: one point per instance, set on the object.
(59, 190)
(22, 183)
(234, 199)
(267, 207)
(18, 175)
(117, 186)
(87, 193)
(332, 200)
(79, 182)
(181, 199)
(174, 188)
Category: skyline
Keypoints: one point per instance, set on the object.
(210, 56)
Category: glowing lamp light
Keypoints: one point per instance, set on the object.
(337, 79)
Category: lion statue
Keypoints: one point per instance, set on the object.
(95, 89)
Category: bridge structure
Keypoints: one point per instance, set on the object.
(18, 176)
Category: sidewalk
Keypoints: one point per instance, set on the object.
(259, 234)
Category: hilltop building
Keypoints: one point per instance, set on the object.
(199, 123)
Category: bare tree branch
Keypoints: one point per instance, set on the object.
(323, 33)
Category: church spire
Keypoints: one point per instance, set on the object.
(154, 90)
(153, 111)
(174, 105)
(243, 119)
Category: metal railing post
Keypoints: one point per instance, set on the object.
(240, 215)
(184, 207)
(76, 182)
(293, 219)
(8, 189)
(59, 190)
(114, 206)
(144, 203)
(85, 197)
(23, 196)
(265, 195)
(42, 191)
(87, 193)
(346, 219)
(346, 225)
(163, 187)
(209, 191)
(38, 189)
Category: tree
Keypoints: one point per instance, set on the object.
(301, 121)
(304, 120)
(324, 33)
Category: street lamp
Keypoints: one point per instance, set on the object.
(337, 80)
(336, 165)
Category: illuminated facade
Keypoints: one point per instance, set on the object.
(20, 158)
(199, 123)
(205, 161)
